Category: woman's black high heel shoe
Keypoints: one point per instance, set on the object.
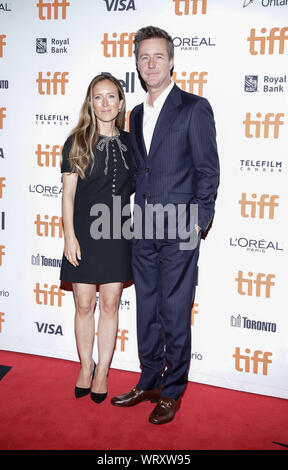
(98, 397)
(82, 392)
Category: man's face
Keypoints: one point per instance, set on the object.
(154, 64)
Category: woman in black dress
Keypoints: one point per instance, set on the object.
(96, 168)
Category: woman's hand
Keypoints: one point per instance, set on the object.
(72, 251)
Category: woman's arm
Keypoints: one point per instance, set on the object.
(71, 246)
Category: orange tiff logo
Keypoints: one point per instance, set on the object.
(48, 157)
(2, 185)
(194, 312)
(48, 227)
(245, 286)
(276, 35)
(2, 320)
(2, 117)
(115, 48)
(2, 43)
(258, 357)
(194, 84)
(45, 9)
(46, 296)
(264, 203)
(271, 121)
(45, 84)
(2, 253)
(186, 5)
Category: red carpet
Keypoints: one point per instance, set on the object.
(38, 411)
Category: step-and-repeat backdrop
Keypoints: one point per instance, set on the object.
(232, 52)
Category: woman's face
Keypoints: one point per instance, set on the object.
(105, 100)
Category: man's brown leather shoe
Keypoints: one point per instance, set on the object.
(135, 396)
(164, 411)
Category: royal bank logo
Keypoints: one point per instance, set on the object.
(260, 167)
(251, 83)
(269, 84)
(256, 245)
(55, 46)
(120, 5)
(238, 321)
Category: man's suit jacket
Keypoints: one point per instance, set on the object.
(182, 165)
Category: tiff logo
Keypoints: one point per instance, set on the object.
(270, 39)
(46, 228)
(58, 78)
(47, 297)
(48, 157)
(2, 253)
(271, 120)
(2, 320)
(118, 46)
(186, 5)
(194, 312)
(262, 280)
(46, 8)
(2, 43)
(2, 117)
(195, 79)
(44, 84)
(265, 201)
(258, 357)
(2, 185)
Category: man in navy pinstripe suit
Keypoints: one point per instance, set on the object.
(174, 148)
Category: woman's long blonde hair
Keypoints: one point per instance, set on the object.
(85, 134)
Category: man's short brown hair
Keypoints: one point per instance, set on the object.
(150, 32)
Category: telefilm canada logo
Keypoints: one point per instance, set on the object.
(51, 119)
(261, 167)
